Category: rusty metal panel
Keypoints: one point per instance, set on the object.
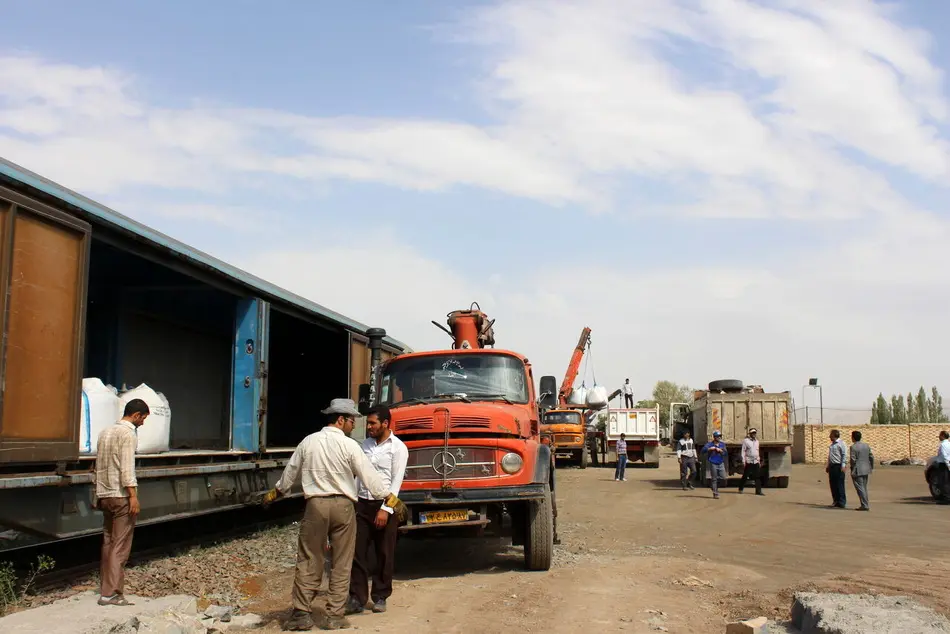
(45, 274)
(359, 364)
(734, 414)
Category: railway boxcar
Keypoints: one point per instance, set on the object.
(87, 292)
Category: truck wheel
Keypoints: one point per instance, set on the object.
(781, 482)
(539, 536)
(726, 385)
(585, 458)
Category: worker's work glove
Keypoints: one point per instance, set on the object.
(269, 497)
(399, 509)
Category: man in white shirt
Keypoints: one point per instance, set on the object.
(628, 393)
(327, 463)
(836, 468)
(686, 453)
(376, 525)
(943, 465)
(751, 461)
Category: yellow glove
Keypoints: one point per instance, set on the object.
(269, 497)
(399, 509)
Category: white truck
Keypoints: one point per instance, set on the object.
(641, 429)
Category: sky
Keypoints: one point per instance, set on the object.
(717, 188)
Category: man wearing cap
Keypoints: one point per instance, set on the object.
(327, 463)
(751, 462)
(716, 453)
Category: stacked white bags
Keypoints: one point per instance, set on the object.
(155, 435)
(99, 410)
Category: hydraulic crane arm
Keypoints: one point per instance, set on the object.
(571, 375)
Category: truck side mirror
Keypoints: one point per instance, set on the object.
(548, 385)
(362, 403)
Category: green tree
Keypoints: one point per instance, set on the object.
(937, 414)
(666, 392)
(873, 420)
(883, 410)
(923, 406)
(912, 414)
(898, 411)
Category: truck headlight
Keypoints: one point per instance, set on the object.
(511, 463)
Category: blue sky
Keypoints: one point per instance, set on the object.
(718, 188)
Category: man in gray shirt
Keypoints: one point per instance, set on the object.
(862, 464)
(837, 464)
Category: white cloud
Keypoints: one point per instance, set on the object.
(842, 314)
(801, 109)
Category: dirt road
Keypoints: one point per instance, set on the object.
(643, 555)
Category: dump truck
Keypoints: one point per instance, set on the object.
(641, 429)
(733, 408)
(471, 421)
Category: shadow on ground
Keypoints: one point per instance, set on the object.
(427, 558)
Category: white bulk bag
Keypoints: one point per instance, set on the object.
(578, 395)
(99, 410)
(154, 436)
(596, 397)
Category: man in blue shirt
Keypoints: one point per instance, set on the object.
(716, 455)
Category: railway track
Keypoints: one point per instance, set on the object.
(77, 558)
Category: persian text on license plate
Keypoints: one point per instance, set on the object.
(439, 517)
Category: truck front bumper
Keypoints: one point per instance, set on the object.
(473, 496)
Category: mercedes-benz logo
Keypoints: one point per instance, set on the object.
(444, 463)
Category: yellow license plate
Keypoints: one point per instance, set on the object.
(439, 517)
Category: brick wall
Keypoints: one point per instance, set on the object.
(888, 442)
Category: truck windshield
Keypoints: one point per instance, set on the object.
(562, 418)
(445, 377)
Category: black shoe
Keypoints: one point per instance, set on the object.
(379, 606)
(759, 493)
(336, 623)
(353, 607)
(300, 621)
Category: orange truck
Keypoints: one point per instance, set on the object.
(470, 419)
(566, 423)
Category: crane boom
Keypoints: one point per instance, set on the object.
(571, 375)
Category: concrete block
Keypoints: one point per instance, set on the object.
(833, 613)
(80, 614)
(758, 625)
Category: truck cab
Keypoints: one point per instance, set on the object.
(470, 419)
(568, 430)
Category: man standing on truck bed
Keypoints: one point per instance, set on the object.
(716, 453)
(328, 462)
(117, 498)
(751, 461)
(376, 524)
(686, 452)
(628, 394)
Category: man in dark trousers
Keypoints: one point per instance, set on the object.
(862, 464)
(628, 393)
(376, 527)
(751, 461)
(836, 469)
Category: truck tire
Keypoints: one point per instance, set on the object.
(781, 482)
(585, 458)
(726, 385)
(539, 533)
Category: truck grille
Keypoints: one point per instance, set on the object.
(421, 423)
(458, 463)
(567, 438)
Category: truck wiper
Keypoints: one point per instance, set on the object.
(429, 399)
(493, 396)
